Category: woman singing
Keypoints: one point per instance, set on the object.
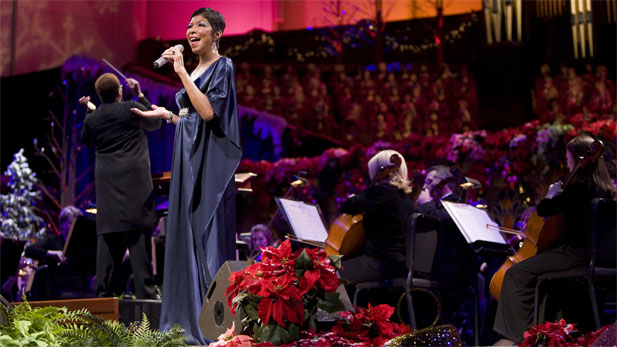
(201, 223)
(515, 310)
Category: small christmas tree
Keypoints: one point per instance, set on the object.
(17, 218)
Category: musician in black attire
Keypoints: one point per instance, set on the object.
(386, 209)
(54, 278)
(515, 310)
(453, 266)
(124, 191)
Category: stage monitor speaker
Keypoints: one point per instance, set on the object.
(215, 317)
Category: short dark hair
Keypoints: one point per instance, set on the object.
(446, 173)
(216, 19)
(107, 86)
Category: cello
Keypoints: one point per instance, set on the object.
(541, 232)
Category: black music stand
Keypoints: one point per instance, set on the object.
(80, 246)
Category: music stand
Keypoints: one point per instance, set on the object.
(10, 251)
(304, 219)
(80, 246)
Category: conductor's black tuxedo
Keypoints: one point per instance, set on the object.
(124, 193)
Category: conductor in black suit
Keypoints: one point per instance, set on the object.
(124, 190)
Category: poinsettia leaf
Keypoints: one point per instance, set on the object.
(265, 310)
(272, 333)
(279, 312)
(257, 332)
(328, 281)
(381, 312)
(331, 303)
(312, 325)
(335, 260)
(308, 280)
(293, 333)
(251, 312)
(239, 297)
(254, 299)
(303, 261)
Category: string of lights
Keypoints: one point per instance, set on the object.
(364, 32)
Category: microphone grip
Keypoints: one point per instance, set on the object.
(159, 62)
(162, 61)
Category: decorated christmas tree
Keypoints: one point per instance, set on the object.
(18, 219)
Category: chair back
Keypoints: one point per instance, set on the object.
(603, 232)
(422, 242)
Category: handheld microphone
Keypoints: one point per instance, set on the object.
(161, 61)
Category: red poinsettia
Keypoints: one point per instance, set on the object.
(370, 325)
(281, 294)
(559, 333)
(363, 328)
(281, 300)
(321, 272)
(278, 257)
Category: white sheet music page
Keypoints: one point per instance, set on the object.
(305, 220)
(472, 222)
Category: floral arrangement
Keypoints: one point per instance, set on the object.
(281, 294)
(559, 333)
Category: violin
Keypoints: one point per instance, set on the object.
(540, 233)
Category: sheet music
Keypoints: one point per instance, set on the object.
(473, 223)
(304, 219)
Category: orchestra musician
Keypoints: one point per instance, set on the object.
(55, 279)
(454, 259)
(515, 309)
(386, 208)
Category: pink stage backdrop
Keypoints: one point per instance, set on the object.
(47, 32)
(168, 19)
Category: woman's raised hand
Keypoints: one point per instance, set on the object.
(156, 112)
(173, 55)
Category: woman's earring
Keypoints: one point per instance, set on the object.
(214, 49)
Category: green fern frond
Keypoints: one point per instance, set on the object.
(142, 329)
(75, 335)
(53, 326)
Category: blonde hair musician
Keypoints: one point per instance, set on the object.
(382, 160)
(386, 209)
